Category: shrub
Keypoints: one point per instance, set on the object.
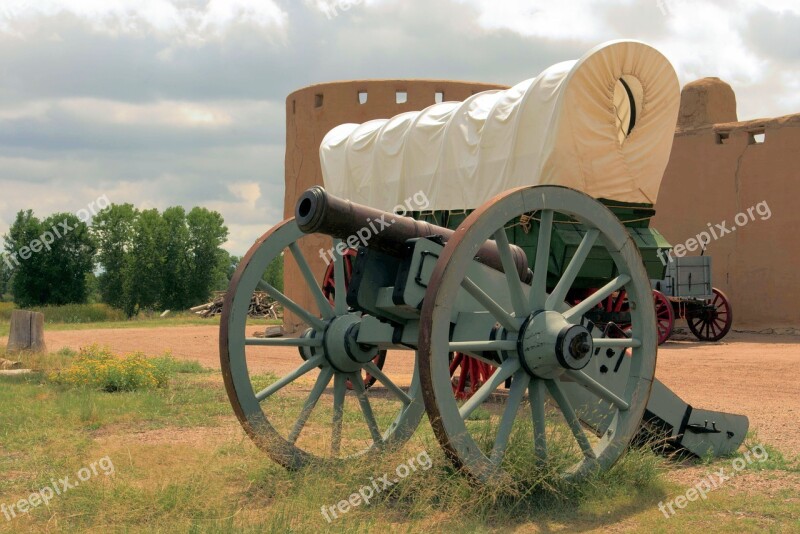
(97, 367)
(70, 313)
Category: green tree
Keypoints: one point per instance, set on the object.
(51, 259)
(69, 260)
(208, 262)
(175, 276)
(231, 263)
(274, 273)
(28, 281)
(92, 288)
(113, 230)
(144, 268)
(5, 278)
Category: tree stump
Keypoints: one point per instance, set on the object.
(27, 332)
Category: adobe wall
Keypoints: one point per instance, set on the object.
(311, 113)
(719, 168)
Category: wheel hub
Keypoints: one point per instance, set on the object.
(341, 345)
(548, 345)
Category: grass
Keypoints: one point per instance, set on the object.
(101, 316)
(182, 464)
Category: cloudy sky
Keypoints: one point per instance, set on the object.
(165, 102)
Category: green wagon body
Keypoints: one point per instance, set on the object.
(567, 235)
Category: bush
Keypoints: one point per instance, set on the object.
(71, 313)
(96, 367)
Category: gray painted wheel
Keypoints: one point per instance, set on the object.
(542, 344)
(287, 417)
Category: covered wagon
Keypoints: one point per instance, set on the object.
(501, 248)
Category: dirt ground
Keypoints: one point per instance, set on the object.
(752, 374)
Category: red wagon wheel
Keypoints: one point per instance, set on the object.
(714, 321)
(472, 374)
(329, 290)
(665, 316)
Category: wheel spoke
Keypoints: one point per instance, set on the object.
(595, 298)
(339, 390)
(536, 396)
(391, 386)
(570, 417)
(617, 342)
(322, 303)
(340, 296)
(508, 368)
(518, 386)
(598, 389)
(291, 377)
(298, 310)
(512, 276)
(281, 342)
(571, 273)
(366, 408)
(497, 311)
(322, 382)
(538, 293)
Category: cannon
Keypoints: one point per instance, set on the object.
(518, 280)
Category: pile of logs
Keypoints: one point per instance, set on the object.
(261, 306)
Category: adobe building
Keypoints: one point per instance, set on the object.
(718, 169)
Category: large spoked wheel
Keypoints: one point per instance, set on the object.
(296, 419)
(714, 320)
(665, 316)
(541, 341)
(329, 290)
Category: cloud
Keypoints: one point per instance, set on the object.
(186, 20)
(167, 102)
(86, 124)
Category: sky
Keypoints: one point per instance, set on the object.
(181, 102)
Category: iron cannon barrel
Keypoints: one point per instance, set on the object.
(317, 211)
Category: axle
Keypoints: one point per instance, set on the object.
(318, 211)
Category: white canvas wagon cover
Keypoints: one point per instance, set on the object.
(603, 124)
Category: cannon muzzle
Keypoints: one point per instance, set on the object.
(317, 211)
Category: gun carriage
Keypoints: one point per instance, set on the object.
(530, 268)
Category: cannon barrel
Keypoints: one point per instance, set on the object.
(317, 211)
